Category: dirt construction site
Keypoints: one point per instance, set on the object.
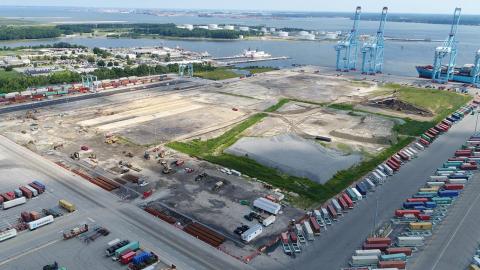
(118, 142)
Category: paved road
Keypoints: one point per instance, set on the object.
(171, 244)
(455, 241)
(334, 247)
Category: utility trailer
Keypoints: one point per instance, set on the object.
(286, 246)
(299, 232)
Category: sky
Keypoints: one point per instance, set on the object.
(395, 6)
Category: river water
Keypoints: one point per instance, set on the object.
(400, 56)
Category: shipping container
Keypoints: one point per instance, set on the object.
(252, 233)
(392, 264)
(308, 231)
(7, 234)
(34, 191)
(364, 261)
(132, 246)
(382, 247)
(315, 226)
(40, 222)
(368, 252)
(352, 195)
(26, 192)
(342, 203)
(448, 193)
(111, 249)
(268, 221)
(336, 206)
(410, 241)
(70, 207)
(348, 200)
(357, 193)
(332, 212)
(127, 257)
(379, 240)
(395, 250)
(420, 225)
(14, 202)
(393, 257)
(141, 257)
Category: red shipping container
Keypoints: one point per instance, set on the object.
(270, 198)
(417, 200)
(403, 155)
(392, 264)
(453, 186)
(382, 247)
(395, 250)
(2, 199)
(423, 217)
(293, 237)
(127, 257)
(379, 240)
(34, 215)
(401, 212)
(25, 217)
(392, 165)
(315, 225)
(347, 200)
(342, 203)
(26, 192)
(5, 197)
(424, 142)
(332, 211)
(397, 160)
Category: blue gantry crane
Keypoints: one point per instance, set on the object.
(476, 70)
(372, 50)
(347, 48)
(448, 52)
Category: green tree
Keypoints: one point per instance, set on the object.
(101, 63)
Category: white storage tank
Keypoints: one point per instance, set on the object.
(251, 233)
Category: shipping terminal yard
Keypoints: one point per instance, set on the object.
(243, 168)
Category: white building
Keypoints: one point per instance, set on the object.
(203, 27)
(212, 27)
(229, 27)
(272, 29)
(267, 205)
(282, 34)
(244, 28)
(188, 26)
(251, 233)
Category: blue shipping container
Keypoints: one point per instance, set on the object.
(361, 189)
(448, 193)
(140, 258)
(430, 204)
(410, 205)
(39, 184)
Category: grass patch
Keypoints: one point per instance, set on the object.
(342, 106)
(235, 95)
(257, 69)
(217, 74)
(9, 75)
(277, 106)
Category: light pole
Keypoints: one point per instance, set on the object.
(476, 122)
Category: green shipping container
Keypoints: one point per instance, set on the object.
(132, 246)
(393, 257)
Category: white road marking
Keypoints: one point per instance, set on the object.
(28, 252)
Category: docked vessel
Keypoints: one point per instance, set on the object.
(463, 74)
(255, 54)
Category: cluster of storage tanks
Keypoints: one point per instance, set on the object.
(60, 90)
(422, 211)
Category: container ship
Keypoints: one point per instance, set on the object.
(460, 74)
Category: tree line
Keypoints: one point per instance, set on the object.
(22, 82)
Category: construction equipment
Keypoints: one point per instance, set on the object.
(75, 156)
(441, 73)
(218, 185)
(53, 266)
(57, 146)
(372, 50)
(348, 47)
(166, 167)
(146, 155)
(111, 140)
(201, 176)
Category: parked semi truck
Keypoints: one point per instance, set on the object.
(40, 222)
(70, 207)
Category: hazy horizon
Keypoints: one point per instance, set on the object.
(368, 6)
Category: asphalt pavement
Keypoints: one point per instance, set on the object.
(122, 218)
(333, 249)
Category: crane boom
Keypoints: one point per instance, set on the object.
(373, 49)
(347, 48)
(476, 70)
(441, 73)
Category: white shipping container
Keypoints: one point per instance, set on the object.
(476, 260)
(368, 252)
(26, 93)
(268, 221)
(324, 212)
(113, 242)
(11, 94)
(415, 152)
(364, 260)
(370, 183)
(387, 169)
(267, 205)
(251, 233)
(419, 146)
(359, 196)
(457, 181)
(410, 241)
(409, 153)
(439, 178)
(317, 214)
(337, 206)
(435, 184)
(308, 230)
(41, 90)
(5, 235)
(377, 176)
(14, 202)
(381, 173)
(44, 221)
(34, 191)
